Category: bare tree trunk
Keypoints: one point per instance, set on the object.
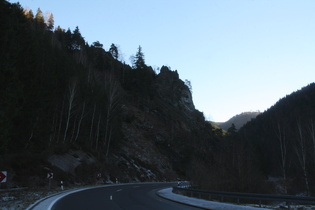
(61, 116)
(109, 138)
(107, 126)
(301, 153)
(34, 124)
(280, 132)
(29, 139)
(91, 128)
(112, 104)
(311, 130)
(80, 121)
(98, 131)
(89, 75)
(53, 127)
(81, 56)
(123, 76)
(73, 129)
(72, 91)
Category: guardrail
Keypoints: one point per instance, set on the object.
(13, 189)
(184, 184)
(289, 199)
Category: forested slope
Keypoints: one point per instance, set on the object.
(283, 138)
(61, 96)
(75, 109)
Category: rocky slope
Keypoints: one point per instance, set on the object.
(75, 110)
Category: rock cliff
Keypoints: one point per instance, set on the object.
(173, 90)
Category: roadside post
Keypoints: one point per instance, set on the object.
(50, 176)
(3, 177)
(99, 175)
(61, 184)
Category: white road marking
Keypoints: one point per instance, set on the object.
(119, 190)
(111, 197)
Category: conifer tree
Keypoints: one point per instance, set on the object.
(232, 130)
(39, 16)
(77, 39)
(114, 51)
(97, 44)
(139, 59)
(59, 29)
(29, 14)
(68, 39)
(50, 21)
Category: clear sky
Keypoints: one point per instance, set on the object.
(240, 55)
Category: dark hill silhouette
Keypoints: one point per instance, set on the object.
(75, 109)
(238, 120)
(283, 139)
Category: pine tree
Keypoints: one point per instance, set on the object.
(59, 29)
(50, 21)
(139, 59)
(29, 14)
(68, 39)
(232, 130)
(114, 51)
(77, 39)
(39, 16)
(97, 44)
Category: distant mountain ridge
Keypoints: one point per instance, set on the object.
(238, 120)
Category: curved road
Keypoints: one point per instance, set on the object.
(127, 197)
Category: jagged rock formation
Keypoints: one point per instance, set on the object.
(173, 90)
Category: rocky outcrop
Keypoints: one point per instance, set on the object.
(173, 90)
(69, 161)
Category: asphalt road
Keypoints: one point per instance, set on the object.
(127, 197)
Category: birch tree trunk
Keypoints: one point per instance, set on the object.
(98, 131)
(280, 132)
(53, 127)
(61, 117)
(108, 143)
(301, 153)
(72, 92)
(112, 89)
(73, 128)
(91, 128)
(311, 130)
(80, 121)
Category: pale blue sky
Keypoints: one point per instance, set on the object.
(240, 55)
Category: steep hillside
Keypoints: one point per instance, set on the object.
(283, 139)
(74, 109)
(238, 120)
